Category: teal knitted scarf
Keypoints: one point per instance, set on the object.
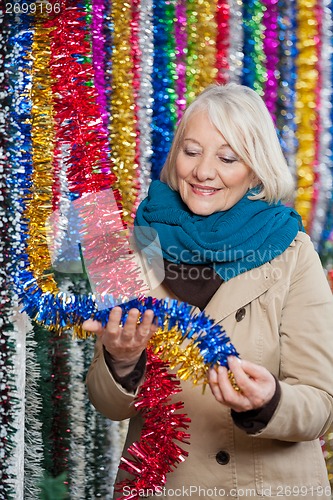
(249, 234)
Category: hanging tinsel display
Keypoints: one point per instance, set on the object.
(123, 128)
(222, 41)
(236, 42)
(324, 98)
(15, 123)
(306, 108)
(201, 46)
(285, 119)
(163, 78)
(90, 93)
(181, 45)
(144, 93)
(254, 71)
(270, 48)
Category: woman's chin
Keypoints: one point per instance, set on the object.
(198, 209)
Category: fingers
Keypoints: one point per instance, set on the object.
(147, 328)
(215, 378)
(256, 384)
(114, 321)
(91, 325)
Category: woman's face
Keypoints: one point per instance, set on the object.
(210, 176)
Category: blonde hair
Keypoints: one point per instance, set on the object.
(243, 119)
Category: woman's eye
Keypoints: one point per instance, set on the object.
(227, 160)
(191, 153)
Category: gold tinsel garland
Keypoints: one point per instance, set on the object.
(122, 115)
(306, 113)
(39, 206)
(201, 45)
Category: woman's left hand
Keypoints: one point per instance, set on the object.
(256, 384)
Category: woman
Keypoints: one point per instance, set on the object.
(217, 212)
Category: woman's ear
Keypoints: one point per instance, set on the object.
(254, 181)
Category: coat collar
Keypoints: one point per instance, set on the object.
(239, 291)
(234, 293)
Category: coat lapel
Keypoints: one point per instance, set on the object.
(239, 291)
(232, 294)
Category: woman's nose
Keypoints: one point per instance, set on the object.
(204, 169)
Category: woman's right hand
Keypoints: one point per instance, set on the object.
(124, 343)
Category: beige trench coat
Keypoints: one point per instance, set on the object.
(279, 315)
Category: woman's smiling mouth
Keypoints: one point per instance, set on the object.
(204, 190)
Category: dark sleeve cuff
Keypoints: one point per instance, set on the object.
(131, 381)
(254, 421)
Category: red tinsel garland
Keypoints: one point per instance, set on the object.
(222, 41)
(77, 115)
(156, 454)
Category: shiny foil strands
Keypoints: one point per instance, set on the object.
(98, 38)
(222, 41)
(285, 113)
(122, 113)
(157, 453)
(235, 52)
(34, 447)
(201, 46)
(324, 180)
(306, 114)
(326, 243)
(78, 118)
(136, 63)
(163, 79)
(181, 48)
(144, 95)
(39, 205)
(270, 47)
(254, 70)
(7, 228)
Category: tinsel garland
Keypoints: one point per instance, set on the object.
(270, 47)
(145, 92)
(103, 451)
(123, 127)
(95, 439)
(59, 347)
(201, 46)
(77, 462)
(136, 57)
(222, 41)
(318, 14)
(163, 77)
(235, 52)
(7, 346)
(288, 76)
(326, 246)
(306, 116)
(98, 58)
(254, 70)
(39, 204)
(324, 188)
(54, 398)
(34, 446)
(15, 81)
(78, 119)
(117, 436)
(181, 46)
(89, 429)
(157, 453)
